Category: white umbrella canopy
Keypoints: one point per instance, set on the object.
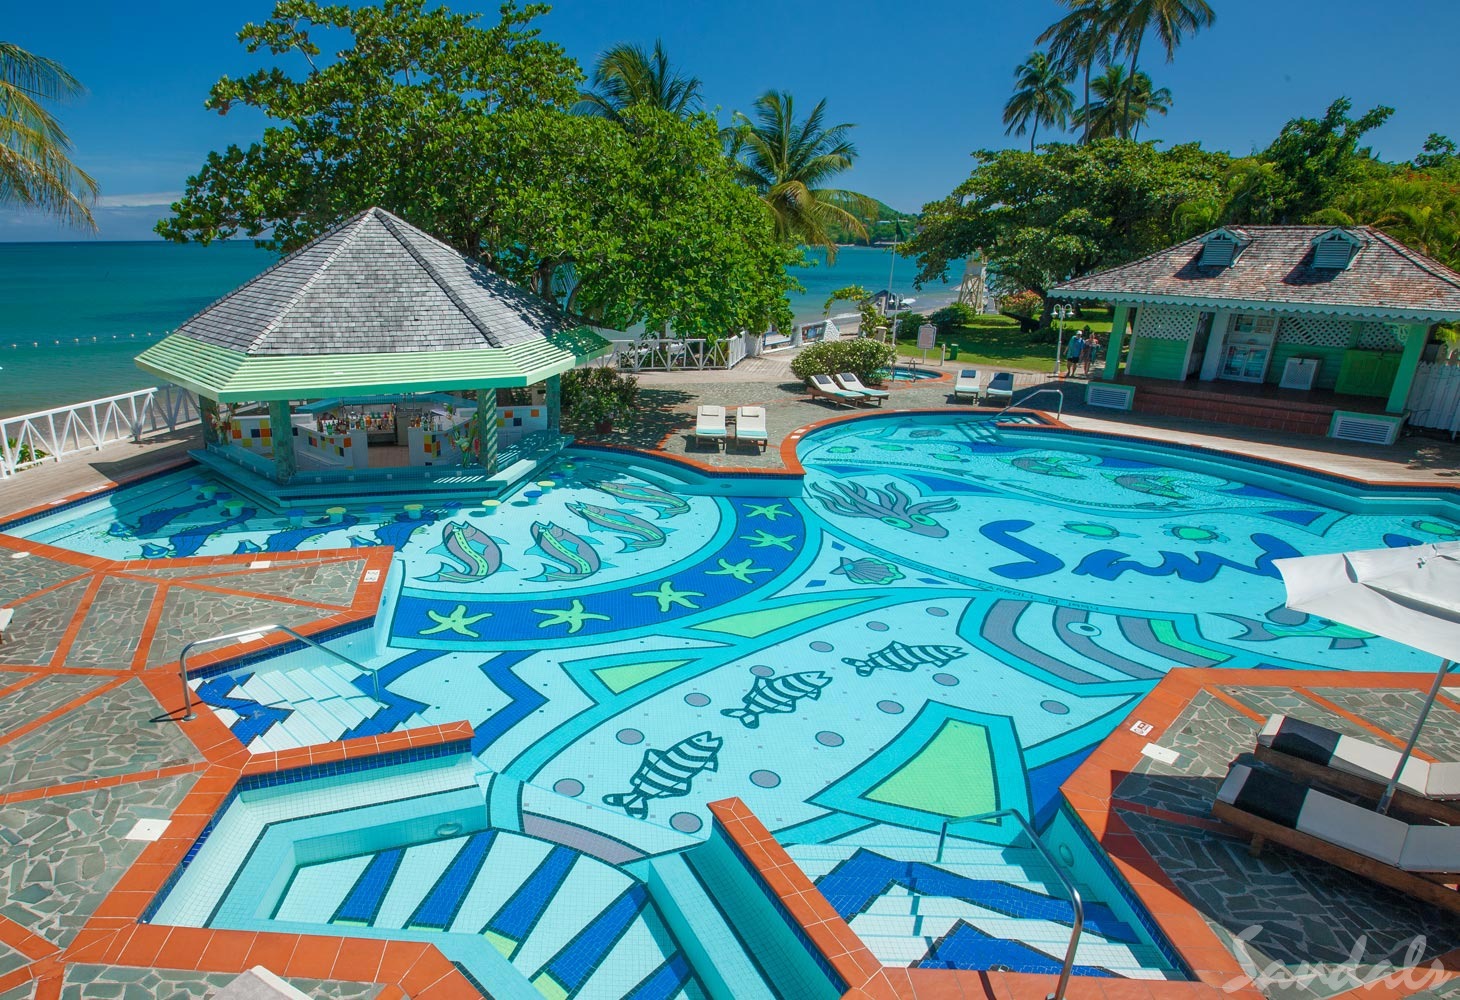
(1410, 595)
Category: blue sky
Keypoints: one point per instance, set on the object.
(924, 81)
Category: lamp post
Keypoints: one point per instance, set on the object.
(1062, 312)
(887, 305)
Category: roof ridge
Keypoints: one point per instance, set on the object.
(1131, 263)
(390, 222)
(349, 230)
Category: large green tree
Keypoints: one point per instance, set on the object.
(466, 131)
(1040, 97)
(35, 153)
(1042, 218)
(788, 162)
(631, 76)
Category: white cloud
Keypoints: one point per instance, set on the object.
(146, 200)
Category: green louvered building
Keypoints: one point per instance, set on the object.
(370, 327)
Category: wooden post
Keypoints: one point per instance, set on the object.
(1116, 342)
(486, 435)
(282, 430)
(1414, 345)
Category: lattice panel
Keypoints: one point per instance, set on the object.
(1380, 337)
(1314, 331)
(1166, 322)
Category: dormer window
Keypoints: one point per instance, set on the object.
(1221, 247)
(1336, 249)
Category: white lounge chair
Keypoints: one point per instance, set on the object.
(750, 426)
(849, 380)
(1000, 389)
(1414, 859)
(6, 614)
(821, 386)
(967, 385)
(710, 424)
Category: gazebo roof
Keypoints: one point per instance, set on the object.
(373, 305)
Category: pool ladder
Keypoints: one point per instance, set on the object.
(1023, 403)
(257, 632)
(1054, 863)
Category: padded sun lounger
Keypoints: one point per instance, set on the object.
(967, 385)
(710, 424)
(850, 381)
(750, 426)
(1325, 757)
(1415, 860)
(1000, 389)
(821, 386)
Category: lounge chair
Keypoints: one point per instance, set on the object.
(1000, 389)
(6, 614)
(1429, 791)
(710, 424)
(1415, 860)
(967, 385)
(750, 426)
(822, 387)
(849, 381)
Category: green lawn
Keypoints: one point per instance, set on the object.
(996, 342)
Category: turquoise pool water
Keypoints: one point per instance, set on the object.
(945, 620)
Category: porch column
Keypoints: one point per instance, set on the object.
(1216, 344)
(282, 430)
(1117, 341)
(486, 430)
(555, 403)
(1414, 345)
(208, 411)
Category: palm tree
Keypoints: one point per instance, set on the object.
(628, 75)
(35, 154)
(786, 161)
(1040, 96)
(1122, 105)
(1078, 41)
(1172, 20)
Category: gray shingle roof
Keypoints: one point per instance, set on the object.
(1385, 278)
(375, 284)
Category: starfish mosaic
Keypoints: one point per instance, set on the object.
(458, 621)
(769, 511)
(742, 570)
(763, 539)
(572, 616)
(667, 596)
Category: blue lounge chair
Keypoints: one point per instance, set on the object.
(850, 382)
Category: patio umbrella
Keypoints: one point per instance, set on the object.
(1410, 595)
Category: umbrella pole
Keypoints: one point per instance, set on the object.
(1424, 712)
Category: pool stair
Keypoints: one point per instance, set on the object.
(982, 907)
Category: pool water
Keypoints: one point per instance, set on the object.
(901, 374)
(945, 621)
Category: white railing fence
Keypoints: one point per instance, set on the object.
(669, 354)
(51, 435)
(1434, 398)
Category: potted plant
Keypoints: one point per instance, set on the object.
(599, 398)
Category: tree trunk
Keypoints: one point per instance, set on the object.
(1046, 311)
(1085, 109)
(1135, 53)
(1032, 133)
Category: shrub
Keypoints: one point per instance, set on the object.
(908, 323)
(952, 316)
(1023, 306)
(863, 357)
(599, 395)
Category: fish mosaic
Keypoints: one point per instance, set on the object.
(1284, 623)
(635, 532)
(1152, 485)
(577, 559)
(667, 504)
(476, 554)
(1057, 466)
(1092, 529)
(1439, 528)
(888, 504)
(397, 532)
(773, 695)
(668, 774)
(898, 656)
(188, 541)
(868, 570)
(290, 539)
(155, 520)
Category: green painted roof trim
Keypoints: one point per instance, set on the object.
(231, 377)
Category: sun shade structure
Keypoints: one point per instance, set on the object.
(1410, 595)
(381, 322)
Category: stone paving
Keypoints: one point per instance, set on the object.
(101, 982)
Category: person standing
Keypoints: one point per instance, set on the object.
(1073, 350)
(1087, 356)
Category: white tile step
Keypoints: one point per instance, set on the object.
(272, 687)
(1037, 934)
(321, 718)
(313, 686)
(345, 713)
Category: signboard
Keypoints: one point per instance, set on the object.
(927, 337)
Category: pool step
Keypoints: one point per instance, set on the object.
(325, 703)
(708, 939)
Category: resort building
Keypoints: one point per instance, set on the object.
(376, 355)
(1316, 329)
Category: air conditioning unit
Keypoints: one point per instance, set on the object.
(1368, 428)
(1109, 396)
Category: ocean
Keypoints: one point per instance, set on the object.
(73, 315)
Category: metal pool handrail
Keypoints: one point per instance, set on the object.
(1055, 866)
(256, 632)
(1059, 411)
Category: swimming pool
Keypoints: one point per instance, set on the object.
(901, 374)
(941, 598)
